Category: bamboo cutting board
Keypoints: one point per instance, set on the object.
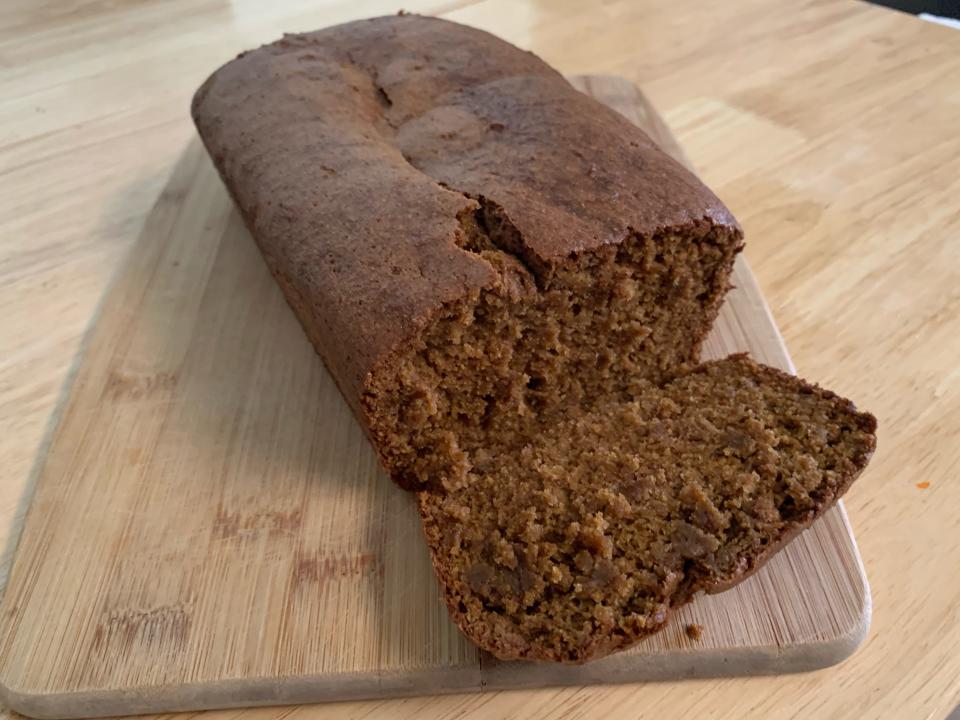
(211, 528)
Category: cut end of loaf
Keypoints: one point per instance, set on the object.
(544, 342)
(579, 542)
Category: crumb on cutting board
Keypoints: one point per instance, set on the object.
(694, 631)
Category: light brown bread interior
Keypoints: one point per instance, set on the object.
(581, 540)
(580, 474)
(491, 371)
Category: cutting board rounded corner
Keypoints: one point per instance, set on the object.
(32, 704)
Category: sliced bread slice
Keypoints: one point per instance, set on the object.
(579, 542)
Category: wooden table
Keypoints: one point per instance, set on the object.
(831, 130)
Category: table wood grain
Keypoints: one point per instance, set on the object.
(829, 128)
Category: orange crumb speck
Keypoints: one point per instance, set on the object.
(694, 631)
(923, 485)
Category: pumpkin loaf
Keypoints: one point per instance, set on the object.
(510, 283)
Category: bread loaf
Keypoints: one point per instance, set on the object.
(510, 284)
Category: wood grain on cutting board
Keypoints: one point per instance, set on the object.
(212, 529)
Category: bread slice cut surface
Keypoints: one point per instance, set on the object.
(580, 541)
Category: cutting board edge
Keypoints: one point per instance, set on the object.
(234, 693)
(493, 676)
